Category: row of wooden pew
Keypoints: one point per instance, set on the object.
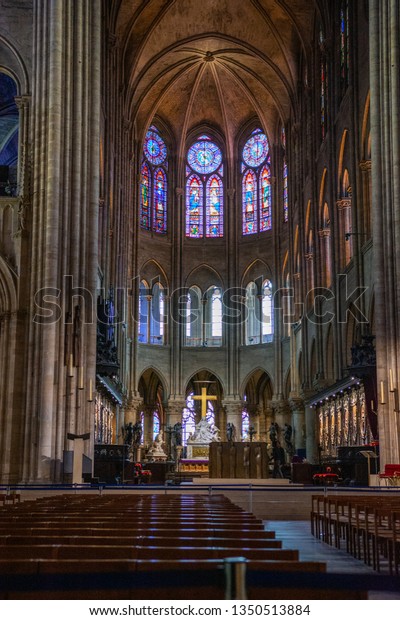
(127, 546)
(368, 526)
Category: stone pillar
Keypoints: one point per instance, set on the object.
(365, 167)
(311, 434)
(384, 54)
(234, 416)
(174, 411)
(65, 197)
(148, 411)
(298, 423)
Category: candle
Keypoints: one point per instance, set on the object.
(372, 405)
(391, 380)
(80, 387)
(382, 394)
(90, 390)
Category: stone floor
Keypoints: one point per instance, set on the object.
(297, 535)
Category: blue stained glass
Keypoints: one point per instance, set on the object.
(249, 189)
(214, 212)
(155, 149)
(204, 157)
(145, 197)
(194, 207)
(160, 202)
(255, 150)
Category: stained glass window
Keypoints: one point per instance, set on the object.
(323, 98)
(145, 197)
(285, 192)
(155, 149)
(194, 207)
(256, 150)
(265, 199)
(249, 203)
(204, 190)
(214, 209)
(323, 85)
(160, 201)
(156, 424)
(204, 157)
(153, 187)
(256, 185)
(344, 46)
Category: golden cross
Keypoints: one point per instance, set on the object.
(204, 398)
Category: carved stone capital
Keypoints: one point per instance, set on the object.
(324, 233)
(179, 191)
(343, 204)
(365, 165)
(231, 193)
(296, 405)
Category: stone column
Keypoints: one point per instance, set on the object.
(174, 411)
(234, 416)
(311, 434)
(365, 167)
(345, 226)
(65, 152)
(384, 54)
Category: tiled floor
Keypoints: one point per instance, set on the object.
(297, 535)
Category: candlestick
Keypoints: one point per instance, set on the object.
(382, 394)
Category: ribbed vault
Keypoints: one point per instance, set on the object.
(219, 62)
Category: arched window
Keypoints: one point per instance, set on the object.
(344, 46)
(189, 417)
(245, 424)
(153, 183)
(266, 312)
(256, 184)
(323, 84)
(156, 424)
(259, 324)
(194, 322)
(285, 178)
(143, 322)
(157, 319)
(9, 123)
(212, 328)
(204, 190)
(252, 324)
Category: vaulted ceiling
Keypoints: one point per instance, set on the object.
(217, 62)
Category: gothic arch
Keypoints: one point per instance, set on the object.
(205, 374)
(342, 160)
(365, 130)
(148, 385)
(13, 65)
(152, 271)
(204, 276)
(256, 382)
(8, 292)
(257, 271)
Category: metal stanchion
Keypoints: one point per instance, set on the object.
(235, 579)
